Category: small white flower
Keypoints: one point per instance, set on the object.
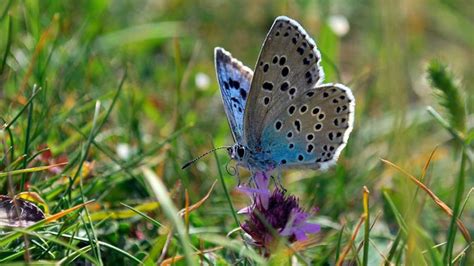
(202, 81)
(124, 151)
(339, 24)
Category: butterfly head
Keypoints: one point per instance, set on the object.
(250, 159)
(238, 152)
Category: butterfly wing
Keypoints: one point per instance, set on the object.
(312, 130)
(234, 82)
(288, 65)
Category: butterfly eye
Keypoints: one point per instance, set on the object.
(240, 152)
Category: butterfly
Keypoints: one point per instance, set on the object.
(282, 115)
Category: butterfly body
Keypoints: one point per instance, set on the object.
(254, 160)
(281, 115)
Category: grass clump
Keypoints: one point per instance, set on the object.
(449, 94)
(102, 102)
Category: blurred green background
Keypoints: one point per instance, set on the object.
(169, 111)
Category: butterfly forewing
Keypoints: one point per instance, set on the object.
(234, 82)
(288, 65)
(311, 130)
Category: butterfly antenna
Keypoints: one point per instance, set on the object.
(186, 165)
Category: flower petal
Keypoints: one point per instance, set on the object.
(310, 228)
(299, 216)
(250, 191)
(287, 231)
(245, 210)
(300, 235)
(261, 180)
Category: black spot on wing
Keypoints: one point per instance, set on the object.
(234, 84)
(235, 100)
(267, 86)
(243, 93)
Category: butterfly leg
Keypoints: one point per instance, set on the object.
(251, 181)
(277, 181)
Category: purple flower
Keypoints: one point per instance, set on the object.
(298, 227)
(260, 194)
(274, 213)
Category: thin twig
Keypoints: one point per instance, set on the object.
(435, 198)
(347, 248)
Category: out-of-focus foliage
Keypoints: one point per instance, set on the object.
(125, 88)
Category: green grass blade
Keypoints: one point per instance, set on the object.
(9, 124)
(28, 170)
(120, 251)
(226, 191)
(27, 139)
(14, 256)
(58, 241)
(114, 101)
(140, 33)
(235, 246)
(329, 45)
(399, 217)
(393, 248)
(67, 260)
(5, 10)
(365, 258)
(448, 254)
(8, 45)
(170, 211)
(90, 232)
(153, 221)
(101, 243)
(339, 242)
(445, 124)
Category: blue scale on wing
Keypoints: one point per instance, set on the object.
(234, 82)
(288, 151)
(311, 130)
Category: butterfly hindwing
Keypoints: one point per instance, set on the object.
(312, 130)
(288, 65)
(234, 82)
